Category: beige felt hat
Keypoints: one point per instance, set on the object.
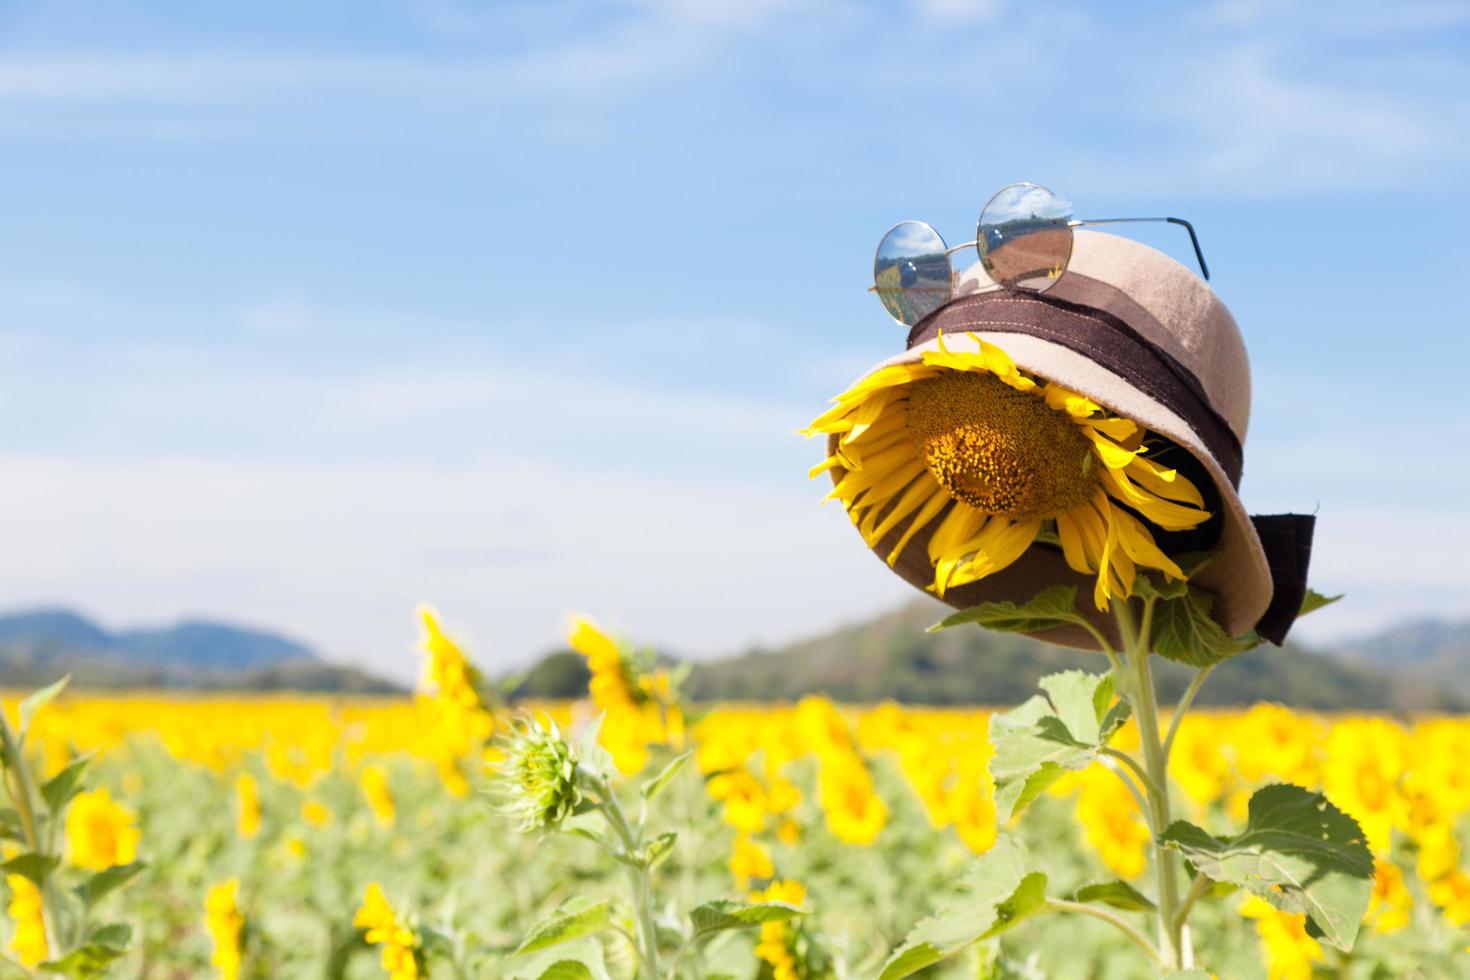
(1146, 338)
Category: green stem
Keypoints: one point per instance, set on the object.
(1118, 922)
(1132, 763)
(1146, 709)
(638, 878)
(1197, 890)
(23, 795)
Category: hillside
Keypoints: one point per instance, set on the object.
(892, 657)
(1425, 655)
(38, 646)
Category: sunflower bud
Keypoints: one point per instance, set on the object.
(539, 776)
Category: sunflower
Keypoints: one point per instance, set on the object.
(995, 460)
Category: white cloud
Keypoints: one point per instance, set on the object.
(341, 552)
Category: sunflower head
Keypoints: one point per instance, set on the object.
(988, 461)
(539, 776)
(997, 449)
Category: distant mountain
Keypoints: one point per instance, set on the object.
(38, 646)
(1426, 654)
(892, 657)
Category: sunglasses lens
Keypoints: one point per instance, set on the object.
(1024, 238)
(911, 272)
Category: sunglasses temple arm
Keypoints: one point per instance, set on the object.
(1193, 238)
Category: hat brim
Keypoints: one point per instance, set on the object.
(1240, 577)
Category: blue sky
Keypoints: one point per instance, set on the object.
(309, 312)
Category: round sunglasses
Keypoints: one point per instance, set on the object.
(1024, 238)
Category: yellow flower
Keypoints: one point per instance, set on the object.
(965, 442)
(1452, 894)
(100, 833)
(749, 860)
(744, 798)
(248, 821)
(637, 705)
(27, 911)
(223, 920)
(455, 712)
(316, 814)
(1110, 819)
(383, 927)
(1439, 850)
(1391, 905)
(1290, 952)
(1365, 760)
(774, 946)
(380, 798)
(855, 814)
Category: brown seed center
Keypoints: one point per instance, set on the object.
(1003, 451)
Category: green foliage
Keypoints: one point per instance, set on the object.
(1118, 894)
(63, 787)
(83, 952)
(1039, 741)
(1298, 851)
(33, 703)
(564, 925)
(1051, 608)
(721, 916)
(999, 894)
(100, 884)
(1186, 631)
(577, 959)
(32, 867)
(1315, 600)
(651, 789)
(85, 962)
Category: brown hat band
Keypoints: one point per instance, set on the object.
(1103, 338)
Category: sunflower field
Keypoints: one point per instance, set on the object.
(632, 834)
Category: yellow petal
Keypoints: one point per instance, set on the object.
(1139, 545)
(1164, 482)
(1066, 400)
(927, 513)
(1166, 514)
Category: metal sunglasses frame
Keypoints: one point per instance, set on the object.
(1072, 223)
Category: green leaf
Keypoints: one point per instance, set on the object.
(1298, 851)
(999, 895)
(720, 916)
(1191, 563)
(577, 960)
(10, 828)
(1315, 600)
(659, 848)
(1039, 741)
(1184, 631)
(1118, 894)
(1195, 974)
(1159, 587)
(106, 881)
(61, 788)
(35, 702)
(659, 783)
(1081, 701)
(117, 934)
(32, 867)
(1050, 609)
(566, 924)
(86, 961)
